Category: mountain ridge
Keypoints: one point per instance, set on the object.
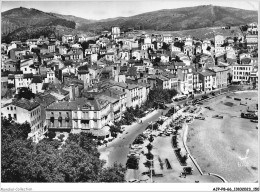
(179, 19)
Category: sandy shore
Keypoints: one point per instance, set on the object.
(220, 145)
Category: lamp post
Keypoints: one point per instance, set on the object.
(151, 168)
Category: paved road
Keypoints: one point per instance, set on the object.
(119, 148)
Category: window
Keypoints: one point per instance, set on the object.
(11, 108)
(15, 117)
(7, 108)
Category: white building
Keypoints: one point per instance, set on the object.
(167, 38)
(219, 40)
(26, 110)
(115, 32)
(241, 72)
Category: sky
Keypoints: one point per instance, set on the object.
(103, 9)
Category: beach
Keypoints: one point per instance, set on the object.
(228, 146)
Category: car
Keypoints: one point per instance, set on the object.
(134, 181)
(146, 112)
(135, 146)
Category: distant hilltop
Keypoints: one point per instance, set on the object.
(18, 20)
(178, 19)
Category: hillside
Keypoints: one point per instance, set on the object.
(78, 20)
(25, 33)
(23, 17)
(200, 33)
(179, 19)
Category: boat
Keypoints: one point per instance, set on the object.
(200, 118)
(249, 116)
(254, 120)
(217, 116)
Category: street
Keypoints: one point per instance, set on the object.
(117, 150)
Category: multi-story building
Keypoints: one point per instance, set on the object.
(197, 85)
(219, 40)
(115, 106)
(36, 84)
(68, 39)
(252, 41)
(26, 110)
(80, 114)
(147, 46)
(115, 93)
(241, 72)
(27, 66)
(221, 76)
(167, 38)
(115, 32)
(132, 93)
(163, 82)
(188, 50)
(208, 79)
(10, 65)
(185, 78)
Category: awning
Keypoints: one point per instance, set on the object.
(99, 132)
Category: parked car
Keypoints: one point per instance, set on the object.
(205, 97)
(134, 181)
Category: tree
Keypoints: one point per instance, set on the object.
(114, 130)
(165, 46)
(244, 27)
(154, 44)
(77, 160)
(51, 135)
(85, 45)
(149, 156)
(149, 147)
(179, 44)
(121, 43)
(15, 130)
(26, 93)
(151, 138)
(113, 174)
(61, 137)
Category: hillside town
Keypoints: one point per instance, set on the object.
(101, 84)
(84, 83)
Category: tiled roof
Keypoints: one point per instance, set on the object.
(179, 64)
(45, 99)
(28, 75)
(108, 98)
(163, 78)
(132, 71)
(11, 76)
(83, 72)
(207, 73)
(89, 104)
(125, 85)
(111, 53)
(36, 79)
(24, 103)
(217, 69)
(112, 92)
